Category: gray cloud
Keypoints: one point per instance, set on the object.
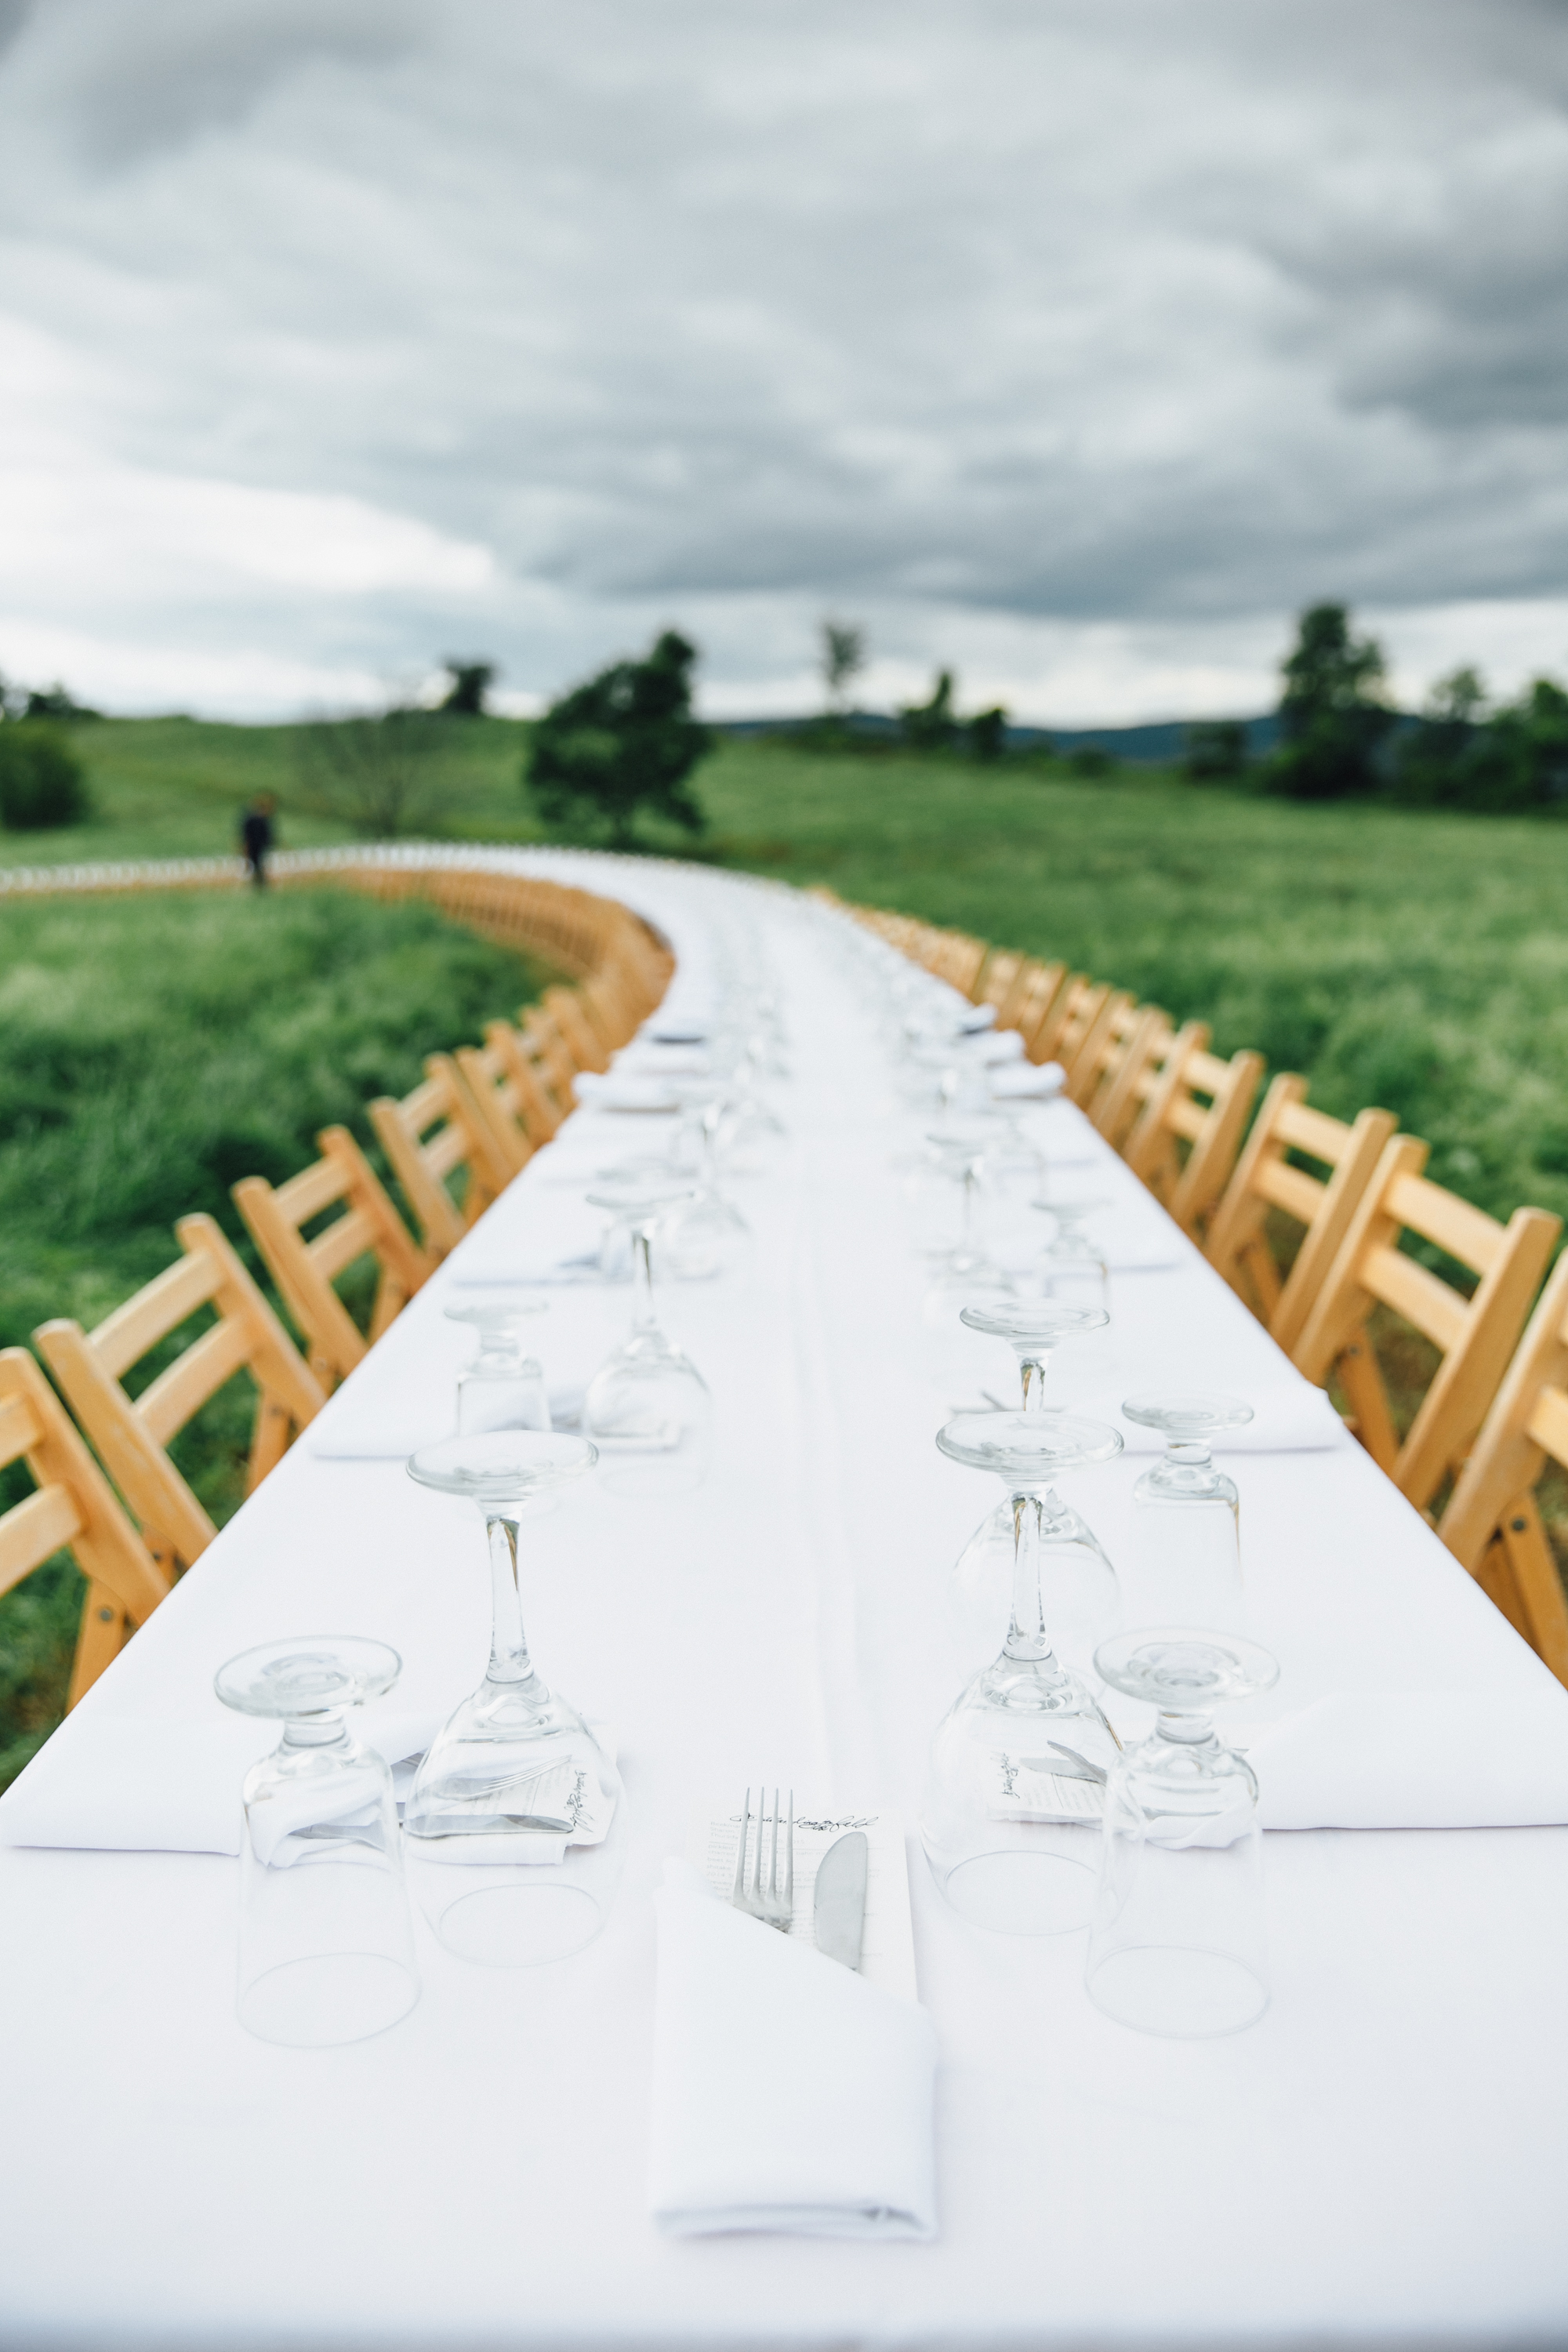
(1104, 315)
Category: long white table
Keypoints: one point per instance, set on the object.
(1380, 2160)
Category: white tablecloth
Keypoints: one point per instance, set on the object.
(1382, 2158)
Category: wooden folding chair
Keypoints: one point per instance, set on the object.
(74, 1509)
(1200, 1101)
(132, 1434)
(1264, 1181)
(995, 983)
(368, 1227)
(1126, 1077)
(1101, 1056)
(1032, 1005)
(510, 1093)
(1493, 1523)
(1475, 1336)
(1079, 1005)
(544, 1041)
(565, 1008)
(432, 1134)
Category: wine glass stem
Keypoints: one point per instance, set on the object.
(1026, 1635)
(643, 1315)
(1033, 1372)
(970, 1181)
(510, 1660)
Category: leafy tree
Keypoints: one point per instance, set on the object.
(1530, 761)
(1332, 719)
(42, 782)
(842, 659)
(1444, 756)
(471, 681)
(55, 702)
(382, 773)
(931, 726)
(988, 733)
(621, 746)
(1213, 749)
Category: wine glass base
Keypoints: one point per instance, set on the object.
(514, 1925)
(1176, 1992)
(1018, 1894)
(327, 1997)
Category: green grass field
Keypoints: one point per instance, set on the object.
(152, 1051)
(1407, 958)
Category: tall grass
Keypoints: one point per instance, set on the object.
(152, 1051)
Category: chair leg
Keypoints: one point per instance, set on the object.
(105, 1630)
(1518, 1574)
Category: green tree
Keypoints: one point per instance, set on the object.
(988, 733)
(42, 782)
(622, 746)
(842, 659)
(470, 682)
(1332, 719)
(931, 726)
(383, 775)
(1213, 749)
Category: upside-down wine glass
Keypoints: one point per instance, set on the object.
(1177, 1946)
(648, 1408)
(980, 1587)
(1018, 1763)
(1185, 1563)
(503, 1387)
(516, 1822)
(326, 1945)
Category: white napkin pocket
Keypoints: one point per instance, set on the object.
(789, 2095)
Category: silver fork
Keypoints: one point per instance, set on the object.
(769, 1902)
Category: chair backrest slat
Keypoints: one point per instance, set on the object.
(1476, 1335)
(1176, 1110)
(169, 1299)
(131, 1434)
(421, 1161)
(73, 1506)
(305, 1271)
(1238, 1243)
(1493, 1523)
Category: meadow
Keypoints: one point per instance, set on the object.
(151, 1051)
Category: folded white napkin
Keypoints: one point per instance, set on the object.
(129, 1783)
(625, 1091)
(788, 2095)
(1413, 1760)
(998, 1046)
(493, 1263)
(1017, 1081)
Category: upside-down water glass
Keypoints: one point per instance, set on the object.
(1177, 1946)
(503, 1387)
(1185, 1563)
(326, 1945)
(1013, 1798)
(516, 1822)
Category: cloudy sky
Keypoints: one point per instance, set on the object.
(1075, 343)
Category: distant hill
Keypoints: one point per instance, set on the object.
(1158, 742)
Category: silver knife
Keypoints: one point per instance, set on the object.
(840, 1898)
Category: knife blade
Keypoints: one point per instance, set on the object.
(840, 1898)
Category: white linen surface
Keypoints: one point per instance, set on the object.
(477, 2177)
(788, 2095)
(167, 1786)
(1293, 1419)
(1415, 1760)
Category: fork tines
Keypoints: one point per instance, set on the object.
(766, 1900)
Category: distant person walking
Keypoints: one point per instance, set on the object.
(256, 837)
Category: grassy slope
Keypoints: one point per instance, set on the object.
(151, 1051)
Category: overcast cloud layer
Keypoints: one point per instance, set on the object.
(1079, 344)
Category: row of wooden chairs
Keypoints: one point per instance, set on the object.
(1347, 1199)
(122, 1508)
